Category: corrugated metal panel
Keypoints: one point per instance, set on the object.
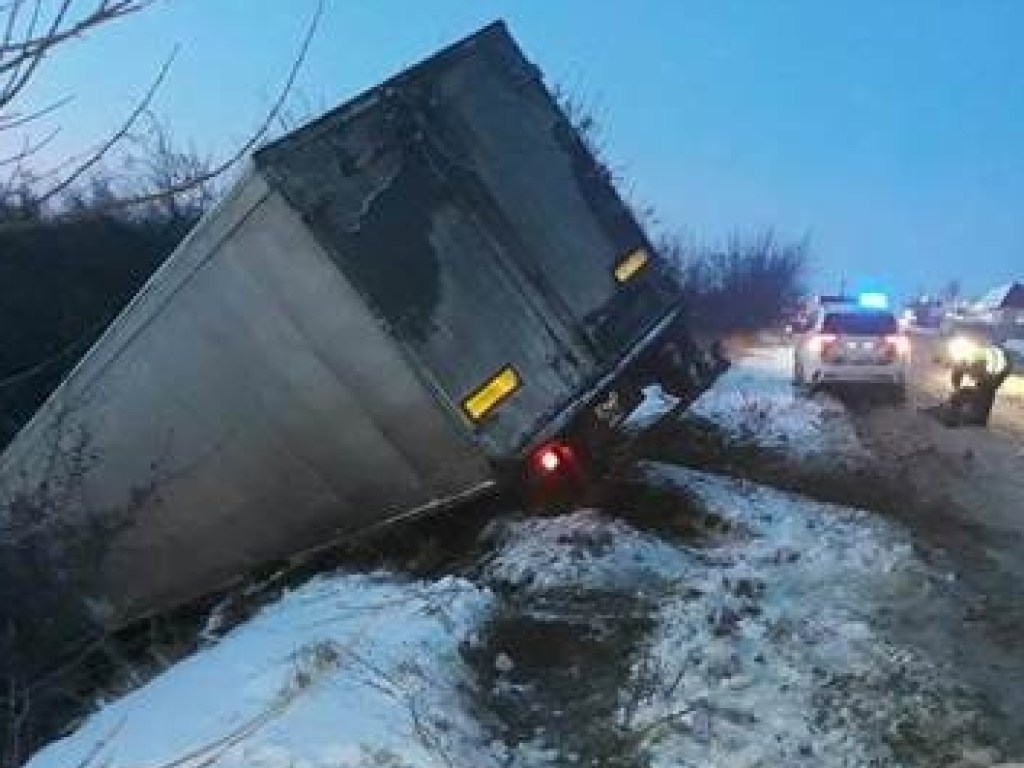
(433, 269)
(458, 201)
(259, 412)
(503, 133)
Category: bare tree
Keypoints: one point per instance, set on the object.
(36, 30)
(950, 293)
(151, 162)
(299, 109)
(747, 283)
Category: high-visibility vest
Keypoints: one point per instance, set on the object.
(995, 360)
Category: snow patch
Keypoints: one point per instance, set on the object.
(770, 644)
(775, 654)
(767, 645)
(344, 671)
(755, 401)
(656, 403)
(584, 549)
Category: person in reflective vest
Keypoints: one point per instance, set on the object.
(975, 383)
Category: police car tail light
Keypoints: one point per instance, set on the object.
(824, 344)
(898, 343)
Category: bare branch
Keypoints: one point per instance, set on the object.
(12, 11)
(32, 46)
(30, 149)
(23, 51)
(14, 121)
(24, 65)
(21, 54)
(114, 138)
(254, 140)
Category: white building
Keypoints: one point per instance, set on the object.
(1003, 306)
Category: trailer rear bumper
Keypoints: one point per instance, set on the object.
(588, 427)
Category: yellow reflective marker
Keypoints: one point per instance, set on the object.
(492, 393)
(630, 265)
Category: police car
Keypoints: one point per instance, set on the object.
(853, 343)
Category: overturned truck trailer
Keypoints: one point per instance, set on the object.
(393, 309)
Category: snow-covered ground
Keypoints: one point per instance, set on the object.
(755, 401)
(765, 640)
(345, 671)
(781, 656)
(767, 646)
(654, 405)
(764, 647)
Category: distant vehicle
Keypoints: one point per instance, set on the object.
(996, 318)
(961, 333)
(925, 314)
(850, 344)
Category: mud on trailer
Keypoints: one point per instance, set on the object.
(408, 302)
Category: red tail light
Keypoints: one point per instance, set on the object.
(555, 472)
(549, 460)
(898, 343)
(553, 459)
(824, 344)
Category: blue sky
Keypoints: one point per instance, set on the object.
(892, 133)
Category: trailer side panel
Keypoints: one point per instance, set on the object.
(261, 411)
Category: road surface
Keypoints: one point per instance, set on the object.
(965, 504)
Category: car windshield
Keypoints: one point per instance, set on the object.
(860, 323)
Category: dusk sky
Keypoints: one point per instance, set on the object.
(892, 133)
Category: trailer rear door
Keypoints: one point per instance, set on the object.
(578, 241)
(399, 230)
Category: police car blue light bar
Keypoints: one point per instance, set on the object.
(873, 300)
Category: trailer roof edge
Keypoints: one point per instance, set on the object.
(496, 31)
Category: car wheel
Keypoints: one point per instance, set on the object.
(898, 394)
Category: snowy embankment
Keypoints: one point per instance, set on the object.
(777, 652)
(759, 637)
(766, 646)
(756, 402)
(344, 671)
(762, 645)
